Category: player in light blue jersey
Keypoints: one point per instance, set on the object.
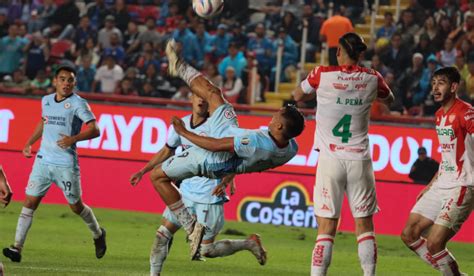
(229, 150)
(63, 114)
(203, 197)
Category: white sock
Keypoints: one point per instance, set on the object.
(419, 247)
(184, 217)
(88, 216)
(187, 73)
(224, 248)
(24, 224)
(159, 250)
(322, 253)
(446, 263)
(367, 249)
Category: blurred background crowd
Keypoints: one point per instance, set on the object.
(118, 46)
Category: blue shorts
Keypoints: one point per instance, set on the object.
(66, 178)
(210, 215)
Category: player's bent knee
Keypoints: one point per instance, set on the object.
(410, 234)
(435, 244)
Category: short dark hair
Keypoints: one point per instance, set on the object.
(354, 45)
(450, 72)
(65, 67)
(294, 121)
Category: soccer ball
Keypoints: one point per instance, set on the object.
(208, 8)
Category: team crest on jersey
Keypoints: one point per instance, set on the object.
(245, 141)
(229, 114)
(451, 118)
(67, 105)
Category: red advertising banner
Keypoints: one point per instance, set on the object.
(136, 133)
(268, 198)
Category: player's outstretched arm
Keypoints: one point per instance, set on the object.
(91, 132)
(5, 190)
(158, 158)
(34, 137)
(207, 143)
(300, 96)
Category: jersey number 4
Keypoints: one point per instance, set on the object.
(342, 128)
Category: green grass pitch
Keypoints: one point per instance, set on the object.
(59, 243)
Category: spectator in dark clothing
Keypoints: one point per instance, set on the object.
(83, 32)
(424, 168)
(292, 26)
(424, 47)
(64, 19)
(121, 15)
(116, 50)
(397, 57)
(37, 54)
(239, 38)
(97, 12)
(314, 25)
(3, 23)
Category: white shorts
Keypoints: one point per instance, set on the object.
(446, 207)
(336, 176)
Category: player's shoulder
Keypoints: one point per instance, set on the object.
(48, 97)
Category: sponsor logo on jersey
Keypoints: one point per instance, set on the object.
(288, 205)
(349, 78)
(360, 86)
(447, 147)
(445, 132)
(229, 114)
(340, 86)
(245, 141)
(67, 105)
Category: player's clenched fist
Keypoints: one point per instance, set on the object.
(178, 125)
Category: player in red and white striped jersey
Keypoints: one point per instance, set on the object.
(344, 94)
(444, 205)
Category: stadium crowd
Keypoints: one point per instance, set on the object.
(117, 46)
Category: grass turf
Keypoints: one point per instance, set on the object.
(59, 243)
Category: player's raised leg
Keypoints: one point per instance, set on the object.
(199, 84)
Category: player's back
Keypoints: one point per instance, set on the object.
(344, 97)
(63, 117)
(259, 152)
(197, 189)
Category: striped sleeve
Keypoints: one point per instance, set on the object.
(311, 83)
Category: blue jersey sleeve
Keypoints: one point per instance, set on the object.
(174, 140)
(245, 145)
(83, 111)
